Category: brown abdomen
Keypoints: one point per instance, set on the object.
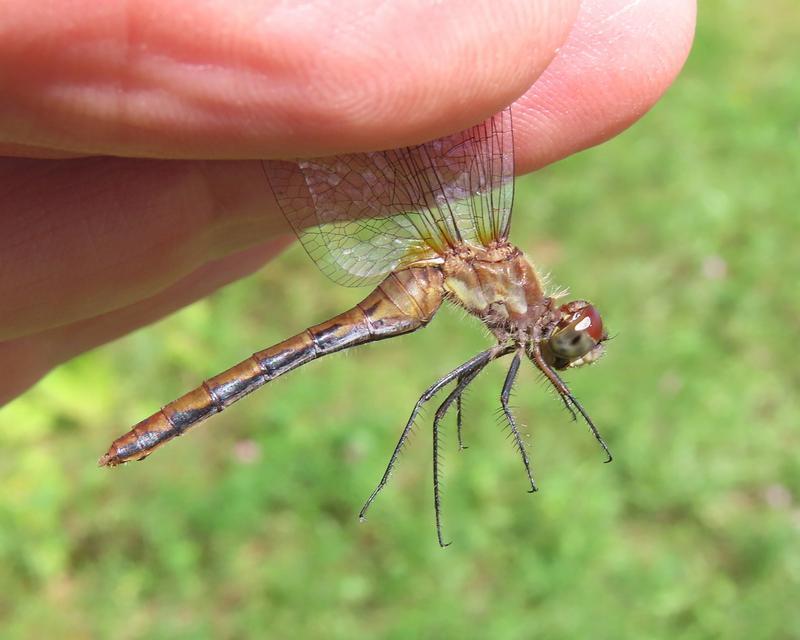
(403, 302)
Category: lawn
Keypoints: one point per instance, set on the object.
(684, 231)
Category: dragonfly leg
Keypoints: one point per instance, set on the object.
(505, 394)
(478, 361)
(566, 396)
(464, 380)
(459, 413)
(569, 408)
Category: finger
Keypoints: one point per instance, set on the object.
(619, 59)
(23, 361)
(109, 232)
(263, 78)
(85, 237)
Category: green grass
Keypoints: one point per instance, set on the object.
(685, 231)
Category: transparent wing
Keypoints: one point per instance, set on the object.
(360, 216)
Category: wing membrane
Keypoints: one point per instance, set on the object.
(360, 216)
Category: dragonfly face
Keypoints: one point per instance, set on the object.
(428, 224)
(577, 338)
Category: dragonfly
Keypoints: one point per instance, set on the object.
(428, 224)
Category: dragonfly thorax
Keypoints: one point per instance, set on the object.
(499, 285)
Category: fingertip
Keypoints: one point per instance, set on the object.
(618, 61)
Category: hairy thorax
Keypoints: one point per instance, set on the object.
(497, 284)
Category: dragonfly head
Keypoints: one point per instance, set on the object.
(577, 338)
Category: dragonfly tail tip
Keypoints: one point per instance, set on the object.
(107, 460)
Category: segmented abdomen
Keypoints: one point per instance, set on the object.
(403, 302)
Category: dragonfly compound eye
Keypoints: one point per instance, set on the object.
(578, 335)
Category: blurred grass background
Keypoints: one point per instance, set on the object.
(684, 230)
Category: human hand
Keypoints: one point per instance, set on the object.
(94, 246)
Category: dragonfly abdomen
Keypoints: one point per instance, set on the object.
(403, 302)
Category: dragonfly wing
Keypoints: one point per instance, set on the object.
(480, 177)
(349, 217)
(360, 216)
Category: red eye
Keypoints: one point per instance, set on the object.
(583, 317)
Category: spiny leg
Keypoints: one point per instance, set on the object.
(464, 380)
(566, 395)
(512, 423)
(479, 360)
(461, 445)
(564, 401)
(569, 408)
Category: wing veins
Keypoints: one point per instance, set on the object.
(361, 215)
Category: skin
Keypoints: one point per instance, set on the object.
(128, 130)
